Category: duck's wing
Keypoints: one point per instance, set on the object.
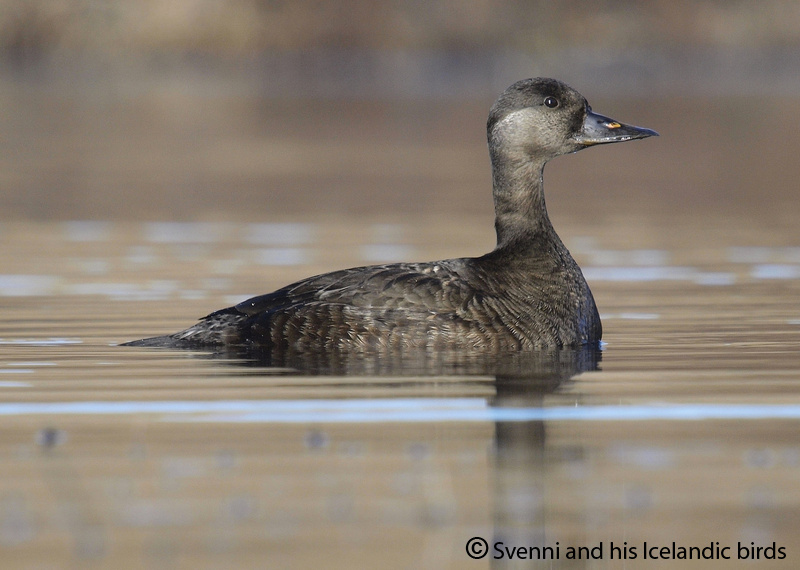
(377, 294)
(409, 286)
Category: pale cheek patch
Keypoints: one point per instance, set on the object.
(521, 126)
(514, 121)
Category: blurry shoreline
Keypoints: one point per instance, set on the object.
(238, 110)
(343, 73)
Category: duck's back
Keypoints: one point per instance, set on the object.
(486, 304)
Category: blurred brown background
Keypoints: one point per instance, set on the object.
(250, 110)
(362, 124)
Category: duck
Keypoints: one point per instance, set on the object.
(528, 293)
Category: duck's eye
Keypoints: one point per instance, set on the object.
(551, 102)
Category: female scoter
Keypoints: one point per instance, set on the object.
(526, 294)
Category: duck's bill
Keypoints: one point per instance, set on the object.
(598, 129)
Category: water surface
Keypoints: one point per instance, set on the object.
(683, 429)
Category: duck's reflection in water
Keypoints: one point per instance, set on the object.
(520, 463)
(538, 371)
(519, 460)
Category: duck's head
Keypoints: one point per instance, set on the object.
(543, 118)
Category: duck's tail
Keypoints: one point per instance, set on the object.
(221, 328)
(166, 341)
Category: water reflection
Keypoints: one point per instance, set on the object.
(529, 369)
(520, 467)
(519, 460)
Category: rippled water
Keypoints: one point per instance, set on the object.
(684, 429)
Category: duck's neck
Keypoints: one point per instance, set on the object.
(520, 213)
